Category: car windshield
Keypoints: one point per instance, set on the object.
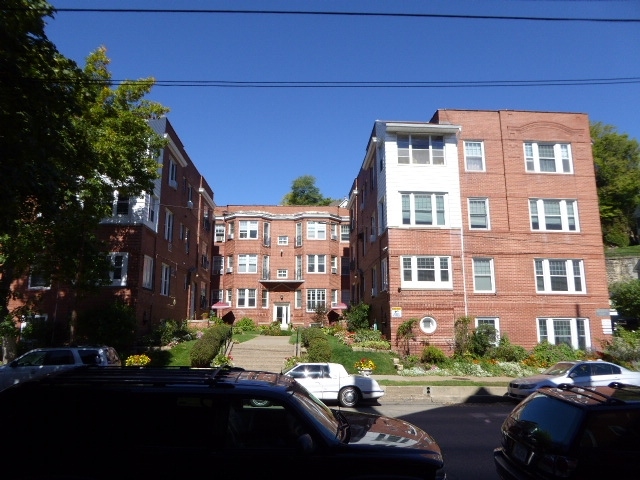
(322, 414)
(559, 368)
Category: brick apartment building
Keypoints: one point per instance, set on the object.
(161, 244)
(279, 263)
(487, 214)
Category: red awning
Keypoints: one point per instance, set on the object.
(220, 306)
(339, 306)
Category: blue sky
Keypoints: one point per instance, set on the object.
(250, 143)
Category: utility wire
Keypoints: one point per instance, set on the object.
(348, 14)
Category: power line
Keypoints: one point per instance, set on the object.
(347, 14)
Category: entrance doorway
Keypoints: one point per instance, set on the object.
(281, 314)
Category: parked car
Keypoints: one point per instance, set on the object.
(332, 382)
(165, 422)
(570, 432)
(42, 361)
(589, 373)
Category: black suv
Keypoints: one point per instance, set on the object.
(569, 432)
(131, 422)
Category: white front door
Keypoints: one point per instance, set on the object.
(281, 313)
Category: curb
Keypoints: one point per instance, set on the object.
(444, 394)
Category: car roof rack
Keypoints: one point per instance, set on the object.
(595, 394)
(152, 376)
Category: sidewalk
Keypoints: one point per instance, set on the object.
(269, 353)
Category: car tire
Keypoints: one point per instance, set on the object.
(349, 397)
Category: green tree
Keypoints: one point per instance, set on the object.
(625, 298)
(617, 159)
(305, 192)
(73, 142)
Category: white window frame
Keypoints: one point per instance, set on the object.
(122, 206)
(282, 273)
(168, 225)
(562, 158)
(438, 210)
(298, 299)
(317, 263)
(384, 274)
(316, 230)
(493, 321)
(480, 273)
(173, 173)
(247, 263)
(316, 296)
(476, 214)
(40, 283)
(165, 286)
(540, 211)
(248, 229)
(118, 271)
(474, 156)
(246, 298)
(443, 278)
(283, 240)
(147, 272)
(547, 269)
(345, 232)
(420, 156)
(428, 325)
(579, 335)
(264, 294)
(219, 233)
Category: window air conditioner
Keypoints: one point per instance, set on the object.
(229, 269)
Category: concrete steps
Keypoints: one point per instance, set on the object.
(264, 353)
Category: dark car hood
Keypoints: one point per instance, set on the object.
(381, 431)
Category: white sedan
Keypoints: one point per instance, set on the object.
(589, 373)
(330, 381)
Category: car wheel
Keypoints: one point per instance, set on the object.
(349, 397)
(259, 403)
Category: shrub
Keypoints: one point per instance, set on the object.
(114, 324)
(431, 354)
(375, 344)
(319, 350)
(508, 352)
(366, 335)
(462, 336)
(307, 335)
(546, 354)
(623, 348)
(405, 333)
(141, 360)
(245, 324)
(274, 330)
(357, 317)
(482, 340)
(207, 347)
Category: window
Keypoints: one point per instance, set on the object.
(428, 324)
(187, 240)
(283, 240)
(173, 173)
(479, 213)
(283, 273)
(265, 298)
(298, 234)
(247, 263)
(474, 156)
(168, 226)
(344, 233)
(548, 157)
(344, 266)
(147, 272)
(571, 331)
(420, 149)
(118, 271)
(316, 231)
(483, 275)
(334, 231)
(217, 296)
(249, 229)
(492, 322)
(246, 297)
(229, 296)
(559, 275)
(550, 215)
(316, 297)
(219, 235)
(382, 214)
(298, 299)
(152, 208)
(122, 205)
(203, 295)
(316, 264)
(334, 264)
(423, 209)
(426, 272)
(165, 287)
(37, 281)
(218, 265)
(384, 272)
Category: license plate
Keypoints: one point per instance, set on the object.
(520, 453)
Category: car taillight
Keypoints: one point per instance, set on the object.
(557, 465)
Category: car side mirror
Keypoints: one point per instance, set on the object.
(305, 444)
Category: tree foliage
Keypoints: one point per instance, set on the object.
(625, 298)
(71, 142)
(305, 192)
(617, 159)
